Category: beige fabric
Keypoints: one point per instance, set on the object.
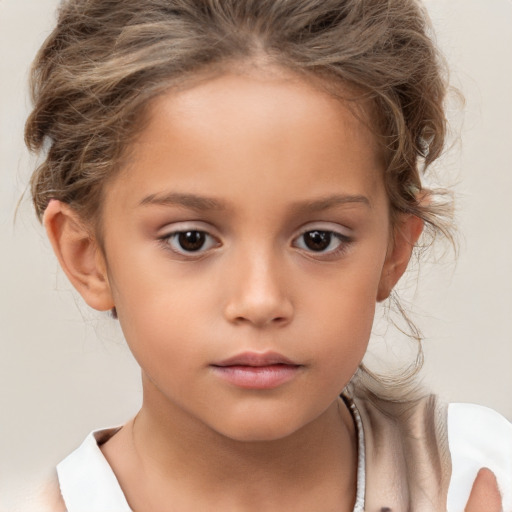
(408, 464)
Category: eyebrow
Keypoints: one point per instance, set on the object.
(191, 201)
(204, 203)
(331, 201)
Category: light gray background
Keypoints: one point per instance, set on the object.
(65, 371)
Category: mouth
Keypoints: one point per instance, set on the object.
(253, 370)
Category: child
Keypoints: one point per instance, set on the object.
(239, 182)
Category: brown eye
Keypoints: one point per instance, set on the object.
(191, 241)
(317, 240)
(323, 242)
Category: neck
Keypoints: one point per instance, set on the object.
(314, 465)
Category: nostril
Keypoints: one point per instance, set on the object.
(261, 321)
(260, 315)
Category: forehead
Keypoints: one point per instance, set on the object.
(252, 126)
(262, 94)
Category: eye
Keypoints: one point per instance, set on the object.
(190, 241)
(322, 241)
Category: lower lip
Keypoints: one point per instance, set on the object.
(257, 377)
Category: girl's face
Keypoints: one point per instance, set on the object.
(246, 244)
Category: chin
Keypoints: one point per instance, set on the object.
(259, 429)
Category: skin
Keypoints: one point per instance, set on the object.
(485, 495)
(256, 161)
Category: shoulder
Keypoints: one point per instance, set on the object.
(452, 440)
(43, 496)
(478, 437)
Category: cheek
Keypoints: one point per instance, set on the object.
(343, 311)
(151, 310)
(347, 321)
(163, 336)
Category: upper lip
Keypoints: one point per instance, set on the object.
(256, 359)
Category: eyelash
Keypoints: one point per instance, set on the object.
(343, 244)
(174, 236)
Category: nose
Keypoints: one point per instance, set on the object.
(258, 293)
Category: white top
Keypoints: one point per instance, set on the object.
(477, 436)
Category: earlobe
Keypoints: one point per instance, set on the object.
(406, 234)
(79, 254)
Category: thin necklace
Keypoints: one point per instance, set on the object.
(361, 473)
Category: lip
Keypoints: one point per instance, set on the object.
(256, 359)
(254, 370)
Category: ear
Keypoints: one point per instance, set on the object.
(406, 233)
(79, 254)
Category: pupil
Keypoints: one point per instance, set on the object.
(191, 240)
(317, 240)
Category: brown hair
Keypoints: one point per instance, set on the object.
(106, 59)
